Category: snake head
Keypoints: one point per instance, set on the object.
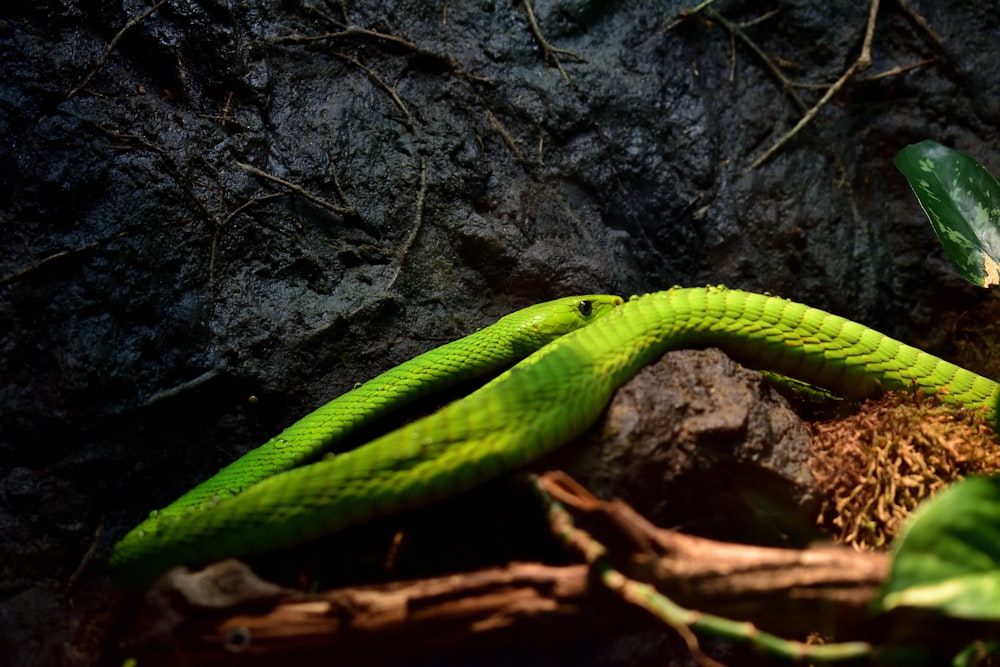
(553, 319)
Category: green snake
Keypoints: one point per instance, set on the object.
(587, 348)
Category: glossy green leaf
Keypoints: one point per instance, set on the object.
(948, 556)
(962, 201)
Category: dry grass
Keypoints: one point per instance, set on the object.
(873, 468)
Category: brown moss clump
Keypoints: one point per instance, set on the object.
(873, 468)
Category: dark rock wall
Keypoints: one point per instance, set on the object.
(447, 173)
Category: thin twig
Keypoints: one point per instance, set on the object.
(111, 47)
(769, 64)
(255, 201)
(129, 140)
(381, 82)
(685, 14)
(732, 57)
(88, 557)
(418, 217)
(788, 86)
(505, 135)
(862, 63)
(921, 23)
(348, 212)
(217, 225)
(898, 69)
(181, 388)
(866, 49)
(45, 261)
(549, 52)
(336, 184)
(760, 19)
(349, 31)
(297, 189)
(223, 117)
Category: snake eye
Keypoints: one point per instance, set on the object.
(586, 307)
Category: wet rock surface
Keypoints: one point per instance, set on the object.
(697, 442)
(225, 214)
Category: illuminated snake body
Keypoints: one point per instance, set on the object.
(541, 403)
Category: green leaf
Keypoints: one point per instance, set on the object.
(962, 201)
(948, 556)
(975, 653)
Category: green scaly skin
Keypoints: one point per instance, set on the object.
(493, 348)
(541, 403)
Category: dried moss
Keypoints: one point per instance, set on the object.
(873, 468)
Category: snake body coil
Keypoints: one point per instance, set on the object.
(510, 339)
(539, 404)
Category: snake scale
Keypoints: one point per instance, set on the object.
(544, 401)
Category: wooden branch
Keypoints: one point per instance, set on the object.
(521, 605)
(792, 592)
(787, 591)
